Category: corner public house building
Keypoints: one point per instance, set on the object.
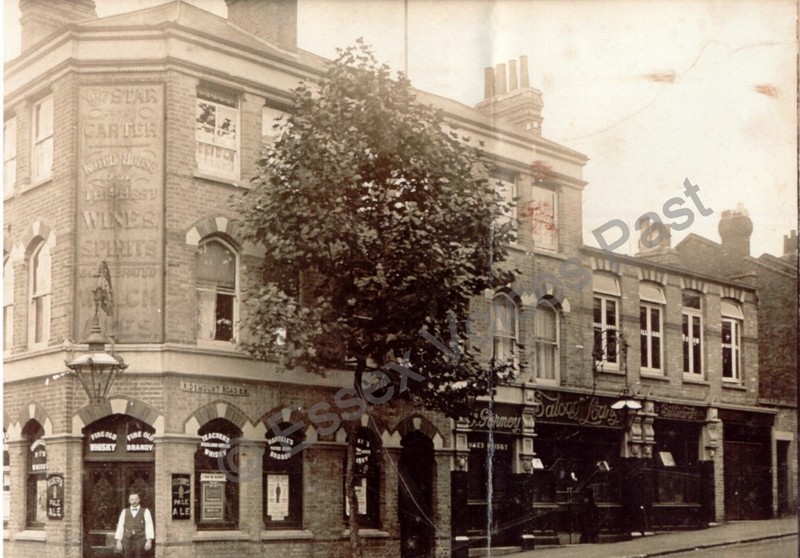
(125, 139)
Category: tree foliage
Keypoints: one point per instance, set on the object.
(377, 226)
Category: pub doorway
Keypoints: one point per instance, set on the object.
(118, 459)
(416, 480)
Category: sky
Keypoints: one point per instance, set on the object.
(652, 92)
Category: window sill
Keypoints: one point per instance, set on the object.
(203, 536)
(37, 183)
(31, 535)
(368, 533)
(286, 535)
(654, 376)
(694, 379)
(224, 346)
(223, 180)
(727, 384)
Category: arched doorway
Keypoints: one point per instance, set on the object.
(416, 480)
(118, 459)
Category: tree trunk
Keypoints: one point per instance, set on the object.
(356, 547)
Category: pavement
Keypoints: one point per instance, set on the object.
(663, 544)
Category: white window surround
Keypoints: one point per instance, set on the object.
(732, 325)
(692, 336)
(505, 329)
(543, 212)
(8, 304)
(42, 127)
(606, 315)
(547, 342)
(39, 289)
(217, 134)
(651, 340)
(9, 156)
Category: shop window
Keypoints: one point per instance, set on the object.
(217, 134)
(8, 304)
(606, 317)
(546, 339)
(732, 320)
(39, 281)
(216, 485)
(42, 151)
(542, 211)
(507, 188)
(367, 480)
(692, 323)
(36, 485)
(216, 269)
(9, 156)
(505, 319)
(651, 324)
(283, 479)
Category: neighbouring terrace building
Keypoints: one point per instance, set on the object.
(127, 137)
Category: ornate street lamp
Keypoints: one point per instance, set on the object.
(97, 370)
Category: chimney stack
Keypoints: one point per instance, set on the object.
(735, 228)
(41, 18)
(274, 21)
(790, 244)
(511, 98)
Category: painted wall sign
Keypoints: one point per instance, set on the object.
(103, 442)
(215, 444)
(181, 496)
(674, 411)
(39, 456)
(55, 496)
(280, 447)
(139, 441)
(574, 408)
(278, 497)
(214, 388)
(503, 418)
(121, 206)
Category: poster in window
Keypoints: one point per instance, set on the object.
(212, 496)
(361, 498)
(278, 497)
(55, 496)
(41, 500)
(666, 458)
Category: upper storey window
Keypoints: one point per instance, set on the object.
(8, 304)
(651, 316)
(542, 211)
(732, 320)
(505, 317)
(217, 134)
(42, 128)
(605, 313)
(9, 156)
(507, 188)
(692, 323)
(216, 291)
(39, 317)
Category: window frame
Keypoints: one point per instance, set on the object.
(291, 467)
(203, 463)
(547, 305)
(689, 317)
(544, 232)
(606, 289)
(504, 183)
(9, 156)
(39, 317)
(372, 482)
(651, 299)
(731, 314)
(509, 337)
(34, 435)
(217, 291)
(8, 304)
(42, 142)
(221, 101)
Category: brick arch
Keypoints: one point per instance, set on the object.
(653, 275)
(217, 409)
(291, 413)
(37, 230)
(118, 405)
(32, 411)
(417, 422)
(607, 265)
(215, 225)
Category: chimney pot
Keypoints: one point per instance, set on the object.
(524, 80)
(274, 21)
(512, 75)
(488, 78)
(41, 18)
(501, 86)
(735, 228)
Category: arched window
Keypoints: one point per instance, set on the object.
(732, 323)
(546, 338)
(367, 479)
(283, 479)
(651, 319)
(216, 272)
(36, 484)
(505, 319)
(39, 282)
(8, 304)
(216, 464)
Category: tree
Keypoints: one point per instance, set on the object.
(378, 228)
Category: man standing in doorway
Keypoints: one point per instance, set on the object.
(135, 531)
